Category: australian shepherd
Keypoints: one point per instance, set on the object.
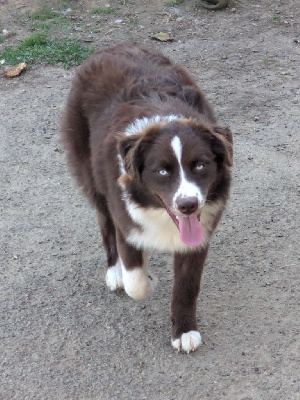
(146, 148)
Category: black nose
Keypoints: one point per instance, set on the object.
(187, 205)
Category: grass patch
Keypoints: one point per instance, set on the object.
(43, 14)
(132, 19)
(103, 11)
(277, 19)
(64, 5)
(174, 3)
(38, 47)
(45, 20)
(267, 61)
(48, 27)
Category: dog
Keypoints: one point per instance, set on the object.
(145, 147)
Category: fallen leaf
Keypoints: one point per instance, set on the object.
(162, 37)
(11, 72)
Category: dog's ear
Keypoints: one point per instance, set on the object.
(222, 145)
(131, 149)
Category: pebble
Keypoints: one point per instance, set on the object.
(65, 12)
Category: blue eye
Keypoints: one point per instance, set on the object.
(163, 172)
(199, 167)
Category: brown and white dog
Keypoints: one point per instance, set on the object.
(145, 147)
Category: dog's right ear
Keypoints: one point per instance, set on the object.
(128, 150)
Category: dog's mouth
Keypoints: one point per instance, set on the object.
(189, 226)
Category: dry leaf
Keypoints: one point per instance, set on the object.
(11, 72)
(162, 37)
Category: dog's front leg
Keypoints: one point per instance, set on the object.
(138, 282)
(188, 270)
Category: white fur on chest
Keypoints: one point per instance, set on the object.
(158, 231)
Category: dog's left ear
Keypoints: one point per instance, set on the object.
(222, 145)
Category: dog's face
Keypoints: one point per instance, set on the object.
(177, 163)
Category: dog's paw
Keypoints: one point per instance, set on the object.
(114, 278)
(188, 341)
(138, 283)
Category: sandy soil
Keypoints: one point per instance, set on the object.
(63, 334)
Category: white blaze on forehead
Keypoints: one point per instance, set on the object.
(141, 123)
(185, 188)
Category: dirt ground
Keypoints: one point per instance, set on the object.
(63, 334)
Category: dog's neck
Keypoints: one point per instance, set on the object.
(140, 124)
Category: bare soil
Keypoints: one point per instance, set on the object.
(63, 334)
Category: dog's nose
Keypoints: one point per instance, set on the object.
(187, 205)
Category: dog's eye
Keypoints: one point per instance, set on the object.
(163, 172)
(199, 167)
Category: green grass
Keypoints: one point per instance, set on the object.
(277, 18)
(47, 21)
(43, 45)
(174, 3)
(38, 47)
(132, 19)
(103, 11)
(43, 14)
(64, 5)
(52, 25)
(267, 61)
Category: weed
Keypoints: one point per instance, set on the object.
(277, 18)
(267, 61)
(64, 5)
(174, 3)
(50, 26)
(38, 47)
(40, 26)
(43, 14)
(104, 11)
(132, 19)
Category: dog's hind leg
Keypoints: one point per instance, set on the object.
(114, 278)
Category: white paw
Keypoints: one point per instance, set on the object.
(114, 279)
(139, 283)
(188, 341)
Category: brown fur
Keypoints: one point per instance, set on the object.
(114, 87)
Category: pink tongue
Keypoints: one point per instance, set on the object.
(190, 230)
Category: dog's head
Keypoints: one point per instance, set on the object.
(178, 164)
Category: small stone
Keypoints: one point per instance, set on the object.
(35, 357)
(65, 12)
